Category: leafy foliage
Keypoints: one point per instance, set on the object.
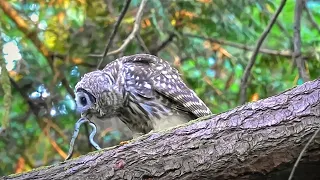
(42, 113)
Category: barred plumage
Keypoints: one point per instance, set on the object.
(144, 91)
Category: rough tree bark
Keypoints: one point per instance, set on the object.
(259, 140)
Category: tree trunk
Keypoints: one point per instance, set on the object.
(259, 140)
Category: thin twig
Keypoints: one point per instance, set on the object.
(66, 84)
(135, 30)
(56, 128)
(33, 107)
(302, 152)
(311, 18)
(75, 60)
(114, 31)
(7, 98)
(53, 143)
(142, 44)
(297, 41)
(247, 71)
(163, 44)
(285, 53)
(85, 64)
(278, 23)
(95, 55)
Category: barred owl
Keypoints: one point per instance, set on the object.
(142, 90)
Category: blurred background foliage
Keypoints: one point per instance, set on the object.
(47, 45)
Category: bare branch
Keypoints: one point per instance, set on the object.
(7, 97)
(135, 30)
(66, 84)
(311, 18)
(114, 31)
(163, 44)
(278, 23)
(297, 41)
(56, 128)
(33, 107)
(247, 71)
(284, 53)
(95, 55)
(142, 44)
(85, 64)
(56, 147)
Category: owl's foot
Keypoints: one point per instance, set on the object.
(134, 136)
(123, 143)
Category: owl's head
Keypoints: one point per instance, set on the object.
(89, 89)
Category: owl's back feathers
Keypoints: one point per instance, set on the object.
(147, 76)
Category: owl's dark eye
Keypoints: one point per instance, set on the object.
(83, 101)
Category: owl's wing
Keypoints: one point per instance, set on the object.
(148, 74)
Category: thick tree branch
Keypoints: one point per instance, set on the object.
(114, 31)
(254, 141)
(297, 41)
(247, 71)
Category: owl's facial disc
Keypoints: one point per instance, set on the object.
(84, 100)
